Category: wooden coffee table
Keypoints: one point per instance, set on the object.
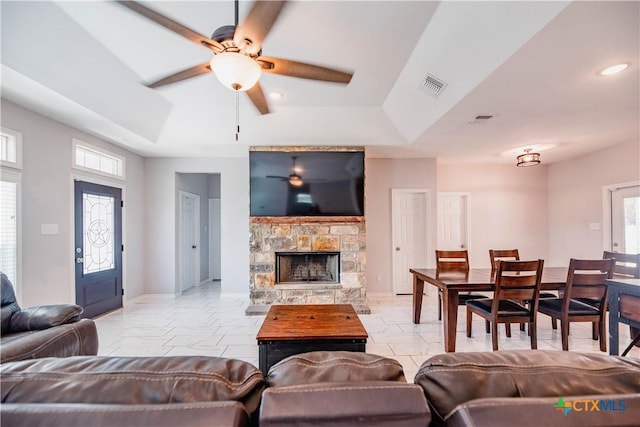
(299, 328)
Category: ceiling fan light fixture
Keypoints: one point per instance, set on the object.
(528, 158)
(236, 71)
(295, 180)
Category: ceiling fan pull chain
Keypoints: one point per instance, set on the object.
(237, 114)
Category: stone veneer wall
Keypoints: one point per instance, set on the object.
(300, 234)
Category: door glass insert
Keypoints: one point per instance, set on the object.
(98, 224)
(625, 220)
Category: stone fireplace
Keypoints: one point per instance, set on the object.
(307, 260)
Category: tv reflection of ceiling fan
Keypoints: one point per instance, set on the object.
(294, 178)
(237, 52)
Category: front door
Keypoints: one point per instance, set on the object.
(98, 248)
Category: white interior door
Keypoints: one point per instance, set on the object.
(189, 240)
(625, 220)
(214, 240)
(409, 228)
(452, 221)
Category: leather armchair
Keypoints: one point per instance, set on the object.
(52, 330)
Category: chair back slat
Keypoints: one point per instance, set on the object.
(518, 280)
(502, 255)
(626, 265)
(452, 261)
(587, 279)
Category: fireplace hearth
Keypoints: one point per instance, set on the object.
(308, 267)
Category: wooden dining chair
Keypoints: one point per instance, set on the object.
(515, 282)
(454, 262)
(585, 279)
(513, 255)
(502, 255)
(627, 266)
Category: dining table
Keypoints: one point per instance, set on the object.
(475, 280)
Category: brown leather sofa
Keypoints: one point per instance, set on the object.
(130, 391)
(531, 388)
(52, 330)
(506, 388)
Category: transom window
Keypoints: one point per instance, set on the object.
(10, 148)
(97, 160)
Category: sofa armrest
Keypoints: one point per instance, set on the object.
(615, 410)
(367, 403)
(71, 339)
(201, 414)
(44, 317)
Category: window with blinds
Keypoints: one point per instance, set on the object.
(9, 230)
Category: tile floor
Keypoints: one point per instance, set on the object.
(204, 322)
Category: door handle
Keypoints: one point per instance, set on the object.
(79, 260)
(193, 246)
(397, 248)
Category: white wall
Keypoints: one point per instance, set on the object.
(161, 245)
(575, 199)
(47, 198)
(383, 175)
(507, 208)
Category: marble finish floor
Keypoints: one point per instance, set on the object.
(204, 322)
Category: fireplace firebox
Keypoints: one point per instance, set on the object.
(308, 267)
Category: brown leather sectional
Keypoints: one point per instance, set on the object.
(508, 388)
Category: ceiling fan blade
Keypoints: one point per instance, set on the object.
(251, 33)
(172, 25)
(287, 67)
(256, 95)
(182, 75)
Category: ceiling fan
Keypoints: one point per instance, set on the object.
(294, 178)
(237, 52)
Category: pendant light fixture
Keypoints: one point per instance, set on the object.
(528, 158)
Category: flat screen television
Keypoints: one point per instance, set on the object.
(307, 183)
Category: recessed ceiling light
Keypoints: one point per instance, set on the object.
(614, 69)
(275, 95)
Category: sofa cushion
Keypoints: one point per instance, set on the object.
(454, 378)
(616, 410)
(200, 414)
(44, 317)
(131, 380)
(366, 403)
(333, 366)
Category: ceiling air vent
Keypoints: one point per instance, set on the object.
(433, 85)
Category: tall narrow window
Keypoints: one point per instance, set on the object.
(9, 230)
